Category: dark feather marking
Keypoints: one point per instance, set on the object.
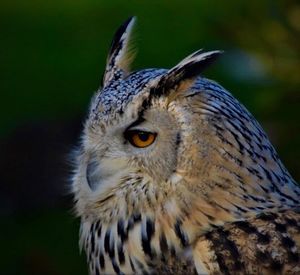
(205, 107)
(287, 242)
(181, 234)
(146, 239)
(230, 102)
(264, 188)
(137, 122)
(137, 217)
(178, 138)
(240, 131)
(105, 199)
(291, 222)
(280, 227)
(222, 207)
(235, 159)
(229, 244)
(277, 190)
(267, 216)
(276, 265)
(263, 257)
(240, 208)
(107, 247)
(211, 218)
(98, 228)
(245, 226)
(140, 266)
(116, 40)
(134, 218)
(102, 261)
(263, 238)
(131, 265)
(116, 267)
(293, 257)
(236, 137)
(121, 231)
(218, 127)
(223, 139)
(92, 242)
(255, 172)
(267, 173)
(221, 243)
(146, 104)
(276, 176)
(274, 186)
(257, 199)
(130, 224)
(221, 263)
(163, 243)
(92, 228)
(173, 251)
(121, 254)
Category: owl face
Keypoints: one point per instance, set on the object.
(126, 134)
(133, 136)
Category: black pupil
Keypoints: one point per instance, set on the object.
(143, 136)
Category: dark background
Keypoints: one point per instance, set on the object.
(52, 55)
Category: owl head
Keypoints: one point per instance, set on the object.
(131, 146)
(169, 140)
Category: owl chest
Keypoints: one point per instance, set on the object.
(136, 245)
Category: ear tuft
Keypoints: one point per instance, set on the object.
(183, 75)
(194, 64)
(121, 52)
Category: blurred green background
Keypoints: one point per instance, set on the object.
(52, 55)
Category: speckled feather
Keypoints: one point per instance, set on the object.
(209, 196)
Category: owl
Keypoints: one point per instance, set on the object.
(174, 176)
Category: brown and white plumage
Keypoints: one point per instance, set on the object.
(208, 195)
(266, 244)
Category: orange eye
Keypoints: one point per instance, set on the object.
(140, 139)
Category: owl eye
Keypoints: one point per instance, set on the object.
(139, 138)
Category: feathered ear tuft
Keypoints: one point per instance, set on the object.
(121, 52)
(182, 76)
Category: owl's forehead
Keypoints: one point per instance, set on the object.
(115, 97)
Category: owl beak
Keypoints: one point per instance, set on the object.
(104, 172)
(91, 174)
